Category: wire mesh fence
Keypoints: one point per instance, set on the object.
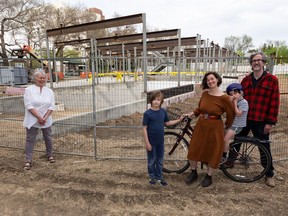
(102, 118)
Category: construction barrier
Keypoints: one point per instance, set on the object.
(84, 75)
(60, 76)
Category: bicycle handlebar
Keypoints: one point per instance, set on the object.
(187, 120)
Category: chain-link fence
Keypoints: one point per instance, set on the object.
(99, 114)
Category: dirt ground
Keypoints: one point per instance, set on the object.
(83, 186)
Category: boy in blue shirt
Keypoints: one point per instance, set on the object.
(154, 120)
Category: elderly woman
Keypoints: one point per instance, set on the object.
(39, 103)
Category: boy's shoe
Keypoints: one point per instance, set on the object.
(162, 182)
(152, 182)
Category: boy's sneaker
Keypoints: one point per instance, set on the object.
(152, 182)
(162, 182)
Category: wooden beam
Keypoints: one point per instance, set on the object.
(103, 24)
(160, 44)
(122, 38)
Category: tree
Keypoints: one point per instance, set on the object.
(277, 51)
(231, 43)
(239, 45)
(67, 16)
(15, 16)
(122, 30)
(26, 22)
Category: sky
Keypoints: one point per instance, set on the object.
(214, 20)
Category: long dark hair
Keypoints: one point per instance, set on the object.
(204, 84)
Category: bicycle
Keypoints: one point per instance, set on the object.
(248, 160)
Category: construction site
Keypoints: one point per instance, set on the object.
(97, 131)
(116, 77)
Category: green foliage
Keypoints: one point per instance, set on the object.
(276, 49)
(71, 53)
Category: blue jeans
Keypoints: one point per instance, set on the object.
(155, 161)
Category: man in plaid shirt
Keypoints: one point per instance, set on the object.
(261, 90)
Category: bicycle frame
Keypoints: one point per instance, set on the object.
(188, 129)
(248, 158)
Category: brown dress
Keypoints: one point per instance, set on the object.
(207, 142)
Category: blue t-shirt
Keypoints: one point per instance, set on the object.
(155, 119)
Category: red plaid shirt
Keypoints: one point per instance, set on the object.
(264, 99)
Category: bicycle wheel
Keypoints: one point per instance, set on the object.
(248, 161)
(175, 161)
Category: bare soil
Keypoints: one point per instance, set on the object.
(83, 186)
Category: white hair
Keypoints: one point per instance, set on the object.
(38, 71)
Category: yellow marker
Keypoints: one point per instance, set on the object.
(89, 79)
(118, 76)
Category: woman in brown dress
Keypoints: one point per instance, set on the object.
(207, 142)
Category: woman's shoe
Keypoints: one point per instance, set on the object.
(28, 165)
(51, 159)
(193, 176)
(207, 181)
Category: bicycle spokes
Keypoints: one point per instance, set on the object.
(175, 153)
(247, 161)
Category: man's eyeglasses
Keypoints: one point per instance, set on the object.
(257, 60)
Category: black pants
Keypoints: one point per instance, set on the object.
(257, 129)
